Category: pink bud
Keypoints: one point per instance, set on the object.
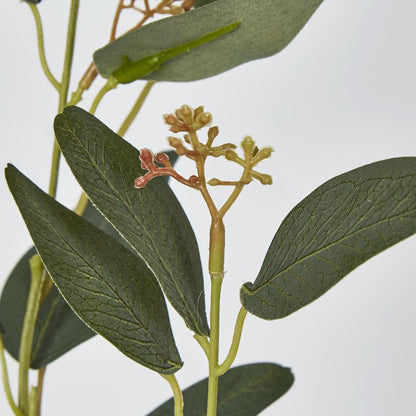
(163, 158)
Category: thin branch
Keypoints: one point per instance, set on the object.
(41, 48)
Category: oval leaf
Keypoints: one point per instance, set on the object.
(337, 227)
(150, 219)
(266, 28)
(58, 329)
(108, 286)
(130, 71)
(242, 391)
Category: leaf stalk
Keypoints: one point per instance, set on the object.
(177, 393)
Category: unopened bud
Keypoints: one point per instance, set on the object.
(248, 145)
(263, 154)
(146, 157)
(203, 119)
(175, 142)
(163, 158)
(198, 110)
(140, 182)
(230, 155)
(265, 179)
(214, 182)
(187, 4)
(212, 134)
(184, 113)
(193, 180)
(170, 119)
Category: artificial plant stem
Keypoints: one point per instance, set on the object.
(177, 393)
(108, 86)
(41, 47)
(41, 378)
(136, 108)
(221, 369)
(33, 401)
(82, 204)
(216, 283)
(63, 91)
(203, 342)
(5, 377)
(216, 271)
(25, 351)
(69, 53)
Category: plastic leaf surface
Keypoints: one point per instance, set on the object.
(242, 391)
(150, 219)
(340, 225)
(107, 285)
(58, 329)
(266, 28)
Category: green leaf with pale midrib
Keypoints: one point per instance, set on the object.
(107, 285)
(266, 28)
(150, 219)
(343, 223)
(242, 391)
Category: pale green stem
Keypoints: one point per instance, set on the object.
(41, 47)
(216, 270)
(108, 86)
(177, 393)
(25, 351)
(136, 108)
(33, 401)
(200, 167)
(203, 342)
(236, 192)
(221, 369)
(212, 398)
(6, 383)
(63, 92)
(41, 378)
(82, 204)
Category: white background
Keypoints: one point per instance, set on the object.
(341, 95)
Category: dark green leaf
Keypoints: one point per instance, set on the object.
(57, 329)
(266, 28)
(130, 71)
(107, 285)
(199, 3)
(337, 227)
(150, 219)
(242, 391)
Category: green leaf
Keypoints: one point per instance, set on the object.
(339, 226)
(150, 219)
(130, 71)
(266, 28)
(108, 286)
(57, 329)
(242, 391)
(199, 3)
